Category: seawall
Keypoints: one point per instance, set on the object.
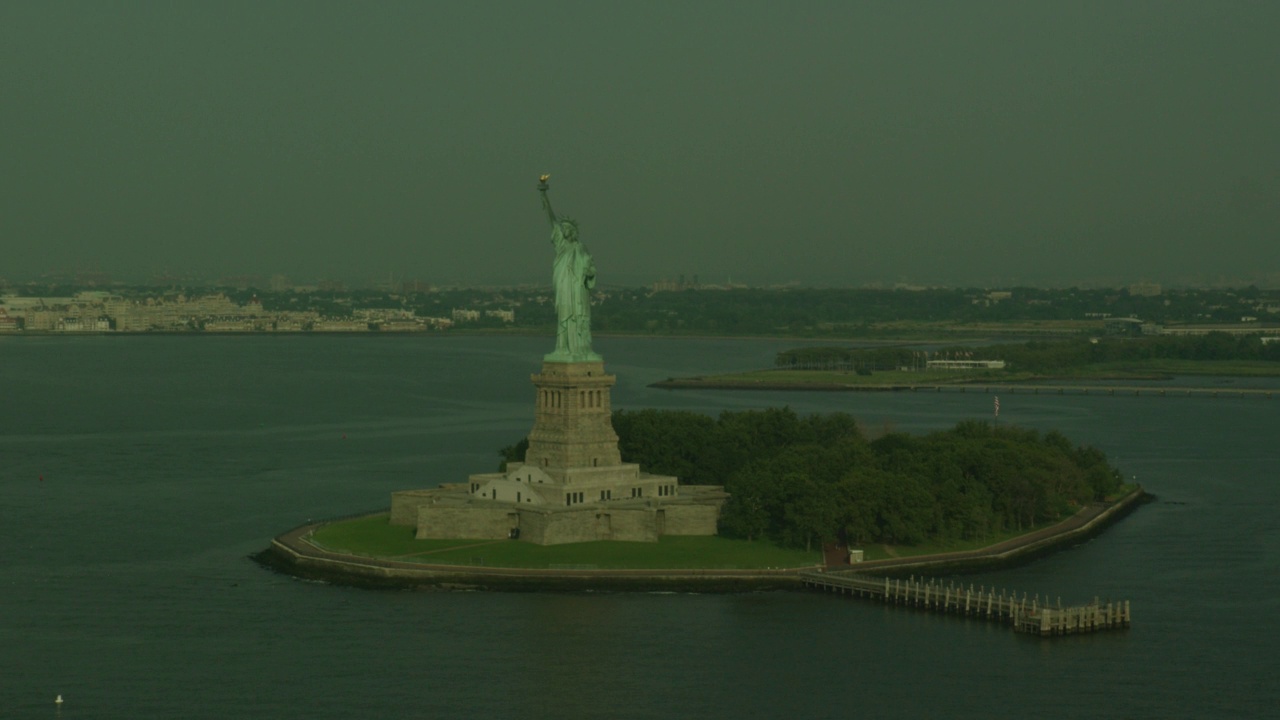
(293, 554)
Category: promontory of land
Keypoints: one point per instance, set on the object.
(301, 554)
(1074, 361)
(802, 491)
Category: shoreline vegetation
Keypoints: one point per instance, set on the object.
(1072, 361)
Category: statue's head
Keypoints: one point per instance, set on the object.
(569, 229)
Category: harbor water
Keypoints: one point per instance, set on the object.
(138, 474)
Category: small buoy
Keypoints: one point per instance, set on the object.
(58, 701)
(344, 436)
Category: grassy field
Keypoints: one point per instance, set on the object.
(373, 536)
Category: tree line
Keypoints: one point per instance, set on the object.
(801, 481)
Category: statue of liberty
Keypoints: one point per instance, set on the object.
(573, 274)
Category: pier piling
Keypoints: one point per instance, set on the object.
(1024, 615)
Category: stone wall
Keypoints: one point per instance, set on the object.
(404, 505)
(640, 525)
(589, 525)
(682, 519)
(450, 512)
(436, 522)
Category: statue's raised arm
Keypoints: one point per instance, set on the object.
(546, 202)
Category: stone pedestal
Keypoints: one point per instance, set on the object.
(572, 485)
(572, 426)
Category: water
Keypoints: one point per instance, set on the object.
(166, 461)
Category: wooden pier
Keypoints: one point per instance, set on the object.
(1025, 614)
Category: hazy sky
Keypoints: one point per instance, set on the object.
(961, 142)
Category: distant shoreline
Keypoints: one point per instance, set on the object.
(539, 332)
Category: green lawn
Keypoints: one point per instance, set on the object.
(373, 536)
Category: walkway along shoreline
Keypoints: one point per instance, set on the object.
(294, 554)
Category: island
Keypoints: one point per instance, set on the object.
(597, 498)
(1029, 364)
(805, 493)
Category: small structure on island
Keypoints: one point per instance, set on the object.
(572, 485)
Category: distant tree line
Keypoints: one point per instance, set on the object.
(1044, 356)
(805, 480)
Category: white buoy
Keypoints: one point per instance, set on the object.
(58, 701)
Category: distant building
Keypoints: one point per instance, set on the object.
(462, 315)
(339, 325)
(1122, 326)
(965, 364)
(665, 285)
(1145, 289)
(1243, 329)
(438, 323)
(508, 316)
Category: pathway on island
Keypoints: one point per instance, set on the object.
(1079, 520)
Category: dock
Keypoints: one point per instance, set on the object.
(1026, 614)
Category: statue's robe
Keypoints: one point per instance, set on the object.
(573, 274)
